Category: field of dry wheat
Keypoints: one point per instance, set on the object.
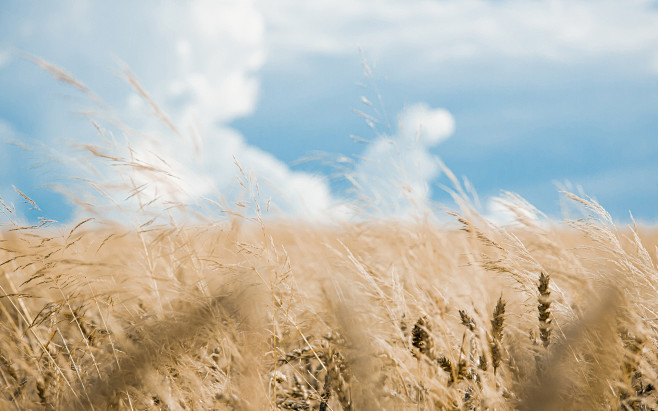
(447, 310)
(372, 315)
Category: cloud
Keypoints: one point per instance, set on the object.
(428, 126)
(429, 32)
(199, 61)
(186, 175)
(395, 172)
(214, 83)
(219, 48)
(393, 176)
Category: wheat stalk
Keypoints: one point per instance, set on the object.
(544, 309)
(497, 325)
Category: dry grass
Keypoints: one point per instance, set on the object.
(257, 314)
(365, 316)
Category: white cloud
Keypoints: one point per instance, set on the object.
(396, 172)
(215, 172)
(215, 82)
(200, 61)
(219, 48)
(429, 126)
(426, 32)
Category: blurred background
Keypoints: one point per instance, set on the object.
(315, 98)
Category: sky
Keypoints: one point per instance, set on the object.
(331, 105)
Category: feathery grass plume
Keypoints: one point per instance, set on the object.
(497, 325)
(544, 309)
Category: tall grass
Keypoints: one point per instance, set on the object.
(250, 313)
(369, 315)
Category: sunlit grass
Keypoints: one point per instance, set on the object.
(140, 309)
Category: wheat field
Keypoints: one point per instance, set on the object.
(264, 314)
(447, 310)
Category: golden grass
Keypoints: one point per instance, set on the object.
(260, 314)
(370, 315)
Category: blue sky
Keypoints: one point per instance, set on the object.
(538, 94)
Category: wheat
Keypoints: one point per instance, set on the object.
(421, 339)
(544, 309)
(146, 356)
(467, 320)
(254, 313)
(497, 325)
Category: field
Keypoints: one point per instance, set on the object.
(246, 313)
(167, 308)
